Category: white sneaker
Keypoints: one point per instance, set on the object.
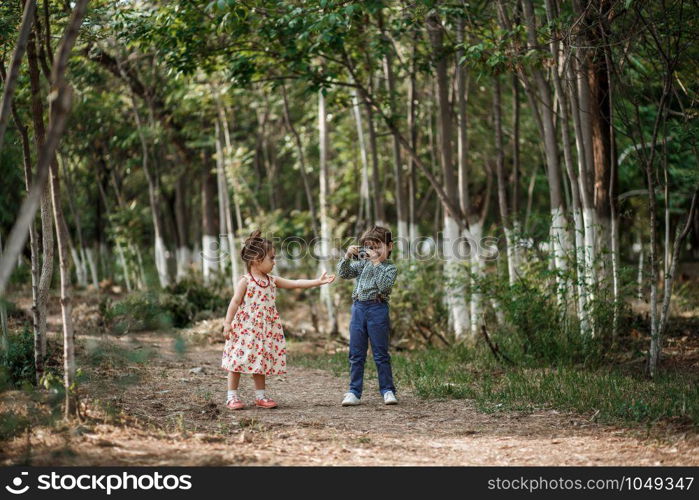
(350, 400)
(389, 398)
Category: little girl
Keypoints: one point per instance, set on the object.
(255, 340)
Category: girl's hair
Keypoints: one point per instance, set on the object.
(255, 248)
(378, 234)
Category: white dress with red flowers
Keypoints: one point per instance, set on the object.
(257, 343)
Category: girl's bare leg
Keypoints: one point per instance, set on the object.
(233, 381)
(259, 381)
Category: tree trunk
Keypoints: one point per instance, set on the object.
(233, 175)
(182, 253)
(56, 110)
(515, 152)
(613, 206)
(516, 220)
(66, 303)
(412, 131)
(454, 277)
(639, 275)
(365, 216)
(33, 242)
(590, 275)
(325, 229)
(545, 118)
(462, 137)
(302, 164)
(379, 216)
(154, 200)
(47, 237)
(77, 252)
(582, 269)
(152, 178)
(209, 244)
(500, 175)
(600, 114)
(401, 202)
(228, 167)
(655, 331)
(596, 104)
(227, 233)
(222, 191)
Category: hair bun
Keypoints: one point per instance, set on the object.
(256, 234)
(255, 248)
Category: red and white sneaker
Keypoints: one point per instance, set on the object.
(265, 403)
(235, 403)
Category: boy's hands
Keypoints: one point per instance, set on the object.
(325, 279)
(373, 254)
(352, 250)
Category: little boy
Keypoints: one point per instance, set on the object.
(370, 322)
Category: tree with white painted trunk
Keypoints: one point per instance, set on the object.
(209, 245)
(400, 195)
(451, 244)
(325, 228)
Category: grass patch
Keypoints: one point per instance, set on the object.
(336, 363)
(612, 394)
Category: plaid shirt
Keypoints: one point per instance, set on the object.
(373, 280)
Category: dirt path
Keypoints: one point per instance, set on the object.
(175, 416)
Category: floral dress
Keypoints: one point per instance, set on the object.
(256, 344)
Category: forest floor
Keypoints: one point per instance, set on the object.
(166, 407)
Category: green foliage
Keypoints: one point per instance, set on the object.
(137, 311)
(11, 172)
(540, 328)
(189, 296)
(280, 224)
(418, 312)
(176, 306)
(17, 358)
(21, 274)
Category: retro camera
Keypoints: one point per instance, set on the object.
(362, 254)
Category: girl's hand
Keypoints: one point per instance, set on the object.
(227, 329)
(325, 279)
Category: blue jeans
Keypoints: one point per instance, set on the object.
(370, 323)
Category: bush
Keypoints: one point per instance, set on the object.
(418, 312)
(178, 309)
(539, 327)
(178, 305)
(17, 358)
(198, 296)
(135, 312)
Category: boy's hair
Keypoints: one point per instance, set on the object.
(377, 234)
(255, 248)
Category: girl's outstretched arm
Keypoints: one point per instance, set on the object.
(285, 283)
(237, 299)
